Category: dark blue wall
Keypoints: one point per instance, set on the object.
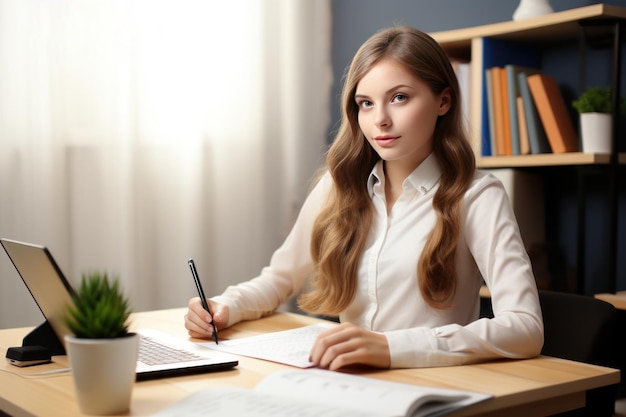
(356, 20)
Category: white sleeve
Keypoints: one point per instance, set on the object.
(288, 270)
(493, 237)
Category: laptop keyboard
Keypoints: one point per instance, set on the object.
(152, 352)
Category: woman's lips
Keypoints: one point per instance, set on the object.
(385, 140)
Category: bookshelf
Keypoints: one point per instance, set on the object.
(466, 44)
(575, 25)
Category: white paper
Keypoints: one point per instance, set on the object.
(290, 347)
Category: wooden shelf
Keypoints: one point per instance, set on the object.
(547, 159)
(553, 27)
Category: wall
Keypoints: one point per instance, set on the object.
(355, 20)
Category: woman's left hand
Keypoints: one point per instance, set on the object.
(348, 344)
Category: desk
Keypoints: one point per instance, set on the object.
(618, 299)
(533, 387)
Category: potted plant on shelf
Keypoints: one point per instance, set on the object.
(596, 119)
(102, 352)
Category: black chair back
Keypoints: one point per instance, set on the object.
(579, 328)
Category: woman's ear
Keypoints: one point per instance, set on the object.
(445, 101)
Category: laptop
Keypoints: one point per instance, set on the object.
(52, 293)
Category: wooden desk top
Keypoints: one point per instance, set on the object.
(618, 299)
(540, 386)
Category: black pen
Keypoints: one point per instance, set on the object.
(196, 279)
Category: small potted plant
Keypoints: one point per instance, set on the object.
(102, 352)
(596, 119)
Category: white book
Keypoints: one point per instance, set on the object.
(320, 393)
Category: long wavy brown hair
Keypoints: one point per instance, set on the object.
(342, 227)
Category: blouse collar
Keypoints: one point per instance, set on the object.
(422, 179)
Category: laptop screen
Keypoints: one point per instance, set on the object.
(45, 281)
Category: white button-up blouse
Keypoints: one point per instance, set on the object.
(388, 299)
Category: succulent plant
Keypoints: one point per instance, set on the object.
(99, 309)
(596, 100)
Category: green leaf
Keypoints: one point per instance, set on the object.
(596, 100)
(99, 309)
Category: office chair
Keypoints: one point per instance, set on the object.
(579, 328)
(582, 328)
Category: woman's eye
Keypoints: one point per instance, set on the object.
(398, 98)
(365, 104)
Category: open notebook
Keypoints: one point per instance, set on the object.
(160, 355)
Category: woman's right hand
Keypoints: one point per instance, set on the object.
(198, 320)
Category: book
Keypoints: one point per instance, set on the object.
(498, 109)
(462, 71)
(536, 134)
(493, 52)
(491, 113)
(553, 113)
(512, 85)
(506, 120)
(523, 129)
(316, 392)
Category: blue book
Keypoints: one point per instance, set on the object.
(513, 89)
(536, 134)
(491, 114)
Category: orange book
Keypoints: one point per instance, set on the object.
(553, 113)
(498, 109)
(506, 117)
(524, 141)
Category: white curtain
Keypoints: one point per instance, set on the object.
(135, 134)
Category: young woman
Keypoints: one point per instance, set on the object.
(400, 231)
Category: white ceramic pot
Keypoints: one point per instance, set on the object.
(104, 372)
(532, 8)
(596, 130)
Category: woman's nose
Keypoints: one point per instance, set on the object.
(382, 118)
